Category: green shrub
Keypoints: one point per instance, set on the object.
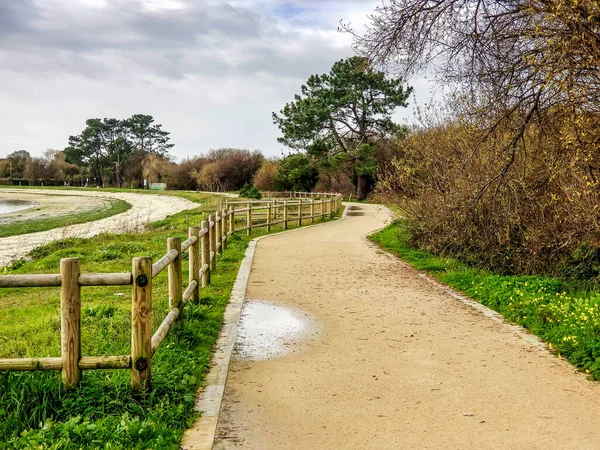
(248, 191)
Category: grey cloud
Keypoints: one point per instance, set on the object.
(126, 25)
(83, 39)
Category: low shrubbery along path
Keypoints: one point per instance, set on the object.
(397, 363)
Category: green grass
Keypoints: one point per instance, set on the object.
(556, 310)
(35, 410)
(17, 227)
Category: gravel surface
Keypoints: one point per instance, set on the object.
(397, 363)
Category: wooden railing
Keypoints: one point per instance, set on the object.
(203, 244)
(277, 210)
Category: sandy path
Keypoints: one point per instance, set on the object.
(397, 363)
(145, 208)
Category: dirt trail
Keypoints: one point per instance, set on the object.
(145, 208)
(397, 363)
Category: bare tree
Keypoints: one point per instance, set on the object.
(516, 60)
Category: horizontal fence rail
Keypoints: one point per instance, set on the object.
(203, 245)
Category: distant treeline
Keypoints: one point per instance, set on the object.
(134, 152)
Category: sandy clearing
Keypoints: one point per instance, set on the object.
(397, 364)
(49, 205)
(145, 208)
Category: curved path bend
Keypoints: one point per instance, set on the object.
(145, 208)
(397, 362)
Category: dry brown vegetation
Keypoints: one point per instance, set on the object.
(509, 177)
(542, 215)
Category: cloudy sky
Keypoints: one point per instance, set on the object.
(210, 71)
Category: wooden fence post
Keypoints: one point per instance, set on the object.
(312, 209)
(300, 212)
(204, 240)
(268, 217)
(194, 263)
(175, 274)
(285, 214)
(141, 324)
(322, 209)
(70, 321)
(232, 221)
(212, 238)
(218, 232)
(224, 227)
(331, 207)
(249, 220)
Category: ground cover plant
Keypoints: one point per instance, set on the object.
(16, 227)
(36, 411)
(557, 310)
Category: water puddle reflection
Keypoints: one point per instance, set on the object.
(268, 330)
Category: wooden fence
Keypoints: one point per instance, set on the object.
(298, 208)
(203, 244)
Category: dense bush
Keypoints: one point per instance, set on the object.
(248, 191)
(266, 177)
(228, 169)
(525, 206)
(297, 173)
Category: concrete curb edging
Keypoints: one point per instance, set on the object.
(201, 435)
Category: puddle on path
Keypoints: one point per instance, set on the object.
(268, 330)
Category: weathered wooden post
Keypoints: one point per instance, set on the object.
(212, 230)
(268, 217)
(219, 230)
(175, 274)
(224, 228)
(300, 211)
(331, 207)
(141, 324)
(312, 209)
(249, 219)
(194, 262)
(204, 242)
(70, 321)
(232, 220)
(322, 208)
(285, 214)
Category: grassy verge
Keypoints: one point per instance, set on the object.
(35, 410)
(17, 227)
(555, 310)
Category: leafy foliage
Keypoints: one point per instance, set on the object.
(248, 191)
(339, 116)
(297, 173)
(106, 144)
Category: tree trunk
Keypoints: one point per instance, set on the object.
(361, 188)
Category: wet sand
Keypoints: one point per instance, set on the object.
(145, 208)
